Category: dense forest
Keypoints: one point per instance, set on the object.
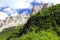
(44, 25)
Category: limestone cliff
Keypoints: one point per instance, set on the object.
(13, 21)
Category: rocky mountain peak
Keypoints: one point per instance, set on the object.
(38, 8)
(46, 5)
(12, 21)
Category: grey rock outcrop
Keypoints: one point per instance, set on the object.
(38, 8)
(13, 21)
(46, 5)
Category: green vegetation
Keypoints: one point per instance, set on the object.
(42, 35)
(44, 25)
(6, 33)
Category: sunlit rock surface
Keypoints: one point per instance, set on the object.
(13, 21)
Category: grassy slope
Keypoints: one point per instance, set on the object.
(7, 33)
(44, 25)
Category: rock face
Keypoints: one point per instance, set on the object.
(46, 5)
(20, 19)
(38, 8)
(13, 21)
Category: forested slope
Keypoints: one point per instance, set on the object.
(44, 25)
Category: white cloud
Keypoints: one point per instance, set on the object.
(56, 1)
(14, 13)
(23, 3)
(3, 16)
(10, 11)
(19, 4)
(50, 1)
(6, 12)
(15, 3)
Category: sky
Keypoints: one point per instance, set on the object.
(16, 7)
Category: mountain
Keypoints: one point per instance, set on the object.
(20, 19)
(38, 8)
(44, 25)
(41, 25)
(13, 21)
